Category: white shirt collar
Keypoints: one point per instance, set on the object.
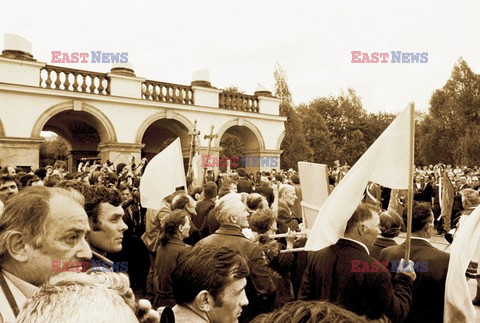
(360, 243)
(420, 238)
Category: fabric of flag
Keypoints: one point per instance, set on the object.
(464, 248)
(448, 194)
(386, 162)
(197, 171)
(163, 174)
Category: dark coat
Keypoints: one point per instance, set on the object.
(202, 209)
(379, 245)
(210, 224)
(423, 194)
(260, 288)
(332, 276)
(165, 261)
(267, 192)
(286, 219)
(431, 267)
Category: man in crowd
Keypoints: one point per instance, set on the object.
(243, 183)
(209, 285)
(8, 187)
(345, 274)
(286, 200)
(265, 190)
(205, 205)
(185, 202)
(232, 215)
(431, 266)
(27, 250)
(105, 216)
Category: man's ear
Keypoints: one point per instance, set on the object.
(233, 219)
(361, 229)
(180, 228)
(16, 246)
(203, 301)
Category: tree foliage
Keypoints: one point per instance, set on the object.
(232, 147)
(294, 145)
(454, 117)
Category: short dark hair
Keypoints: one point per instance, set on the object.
(8, 178)
(261, 221)
(210, 190)
(254, 201)
(421, 212)
(390, 224)
(207, 268)
(241, 172)
(170, 225)
(295, 179)
(94, 196)
(180, 201)
(362, 213)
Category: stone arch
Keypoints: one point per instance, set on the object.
(158, 116)
(98, 119)
(280, 139)
(240, 122)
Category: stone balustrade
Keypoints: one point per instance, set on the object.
(69, 79)
(238, 102)
(167, 92)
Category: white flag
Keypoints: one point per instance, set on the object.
(386, 162)
(162, 175)
(465, 247)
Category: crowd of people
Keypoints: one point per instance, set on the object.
(80, 247)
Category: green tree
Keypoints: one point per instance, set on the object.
(294, 145)
(454, 109)
(354, 148)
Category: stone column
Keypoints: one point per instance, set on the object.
(261, 160)
(120, 152)
(20, 151)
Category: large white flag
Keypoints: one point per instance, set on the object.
(386, 162)
(162, 175)
(465, 247)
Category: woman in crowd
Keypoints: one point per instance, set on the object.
(176, 227)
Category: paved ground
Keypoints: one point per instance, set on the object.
(439, 242)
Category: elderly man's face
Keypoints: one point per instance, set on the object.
(67, 227)
(372, 229)
(241, 214)
(111, 228)
(232, 299)
(7, 189)
(11, 171)
(289, 196)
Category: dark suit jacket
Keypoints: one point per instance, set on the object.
(267, 192)
(202, 208)
(165, 262)
(379, 245)
(260, 287)
(429, 287)
(331, 276)
(286, 219)
(244, 185)
(423, 194)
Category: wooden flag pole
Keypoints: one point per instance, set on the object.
(210, 137)
(410, 183)
(193, 135)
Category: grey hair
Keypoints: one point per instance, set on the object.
(224, 207)
(80, 298)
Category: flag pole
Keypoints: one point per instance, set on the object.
(410, 183)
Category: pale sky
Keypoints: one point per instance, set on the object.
(240, 42)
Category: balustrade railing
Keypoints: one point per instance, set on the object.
(69, 79)
(238, 102)
(167, 92)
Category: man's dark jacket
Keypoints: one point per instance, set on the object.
(380, 244)
(202, 209)
(431, 267)
(244, 185)
(363, 289)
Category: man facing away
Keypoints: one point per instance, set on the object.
(431, 266)
(40, 226)
(345, 273)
